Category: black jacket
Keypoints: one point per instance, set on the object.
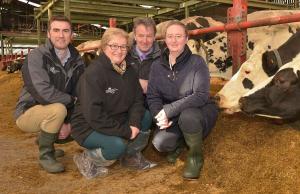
(184, 86)
(108, 102)
(143, 67)
(46, 81)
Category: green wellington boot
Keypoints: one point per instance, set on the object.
(194, 160)
(46, 148)
(57, 152)
(172, 156)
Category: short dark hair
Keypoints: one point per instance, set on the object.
(147, 22)
(61, 18)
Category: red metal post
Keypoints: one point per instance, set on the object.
(112, 22)
(3, 63)
(248, 24)
(237, 40)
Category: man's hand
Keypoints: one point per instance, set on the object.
(134, 132)
(64, 131)
(144, 84)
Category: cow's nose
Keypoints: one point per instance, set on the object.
(242, 101)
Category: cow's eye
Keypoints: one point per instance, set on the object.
(247, 72)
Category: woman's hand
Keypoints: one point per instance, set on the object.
(134, 132)
(162, 120)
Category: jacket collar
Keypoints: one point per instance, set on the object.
(49, 50)
(154, 54)
(106, 62)
(180, 60)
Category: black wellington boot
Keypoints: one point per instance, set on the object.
(46, 148)
(194, 161)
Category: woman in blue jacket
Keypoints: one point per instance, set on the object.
(178, 97)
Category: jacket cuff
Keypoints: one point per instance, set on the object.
(135, 124)
(167, 109)
(72, 103)
(127, 132)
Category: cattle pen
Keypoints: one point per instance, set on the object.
(243, 154)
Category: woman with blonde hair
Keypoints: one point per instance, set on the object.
(109, 119)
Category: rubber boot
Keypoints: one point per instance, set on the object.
(133, 157)
(89, 166)
(194, 160)
(46, 148)
(57, 152)
(172, 156)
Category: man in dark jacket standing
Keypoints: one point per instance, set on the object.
(50, 75)
(144, 50)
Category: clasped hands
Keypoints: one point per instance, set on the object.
(162, 120)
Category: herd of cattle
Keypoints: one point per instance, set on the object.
(268, 83)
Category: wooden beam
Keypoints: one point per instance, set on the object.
(146, 2)
(115, 13)
(67, 12)
(110, 6)
(44, 9)
(256, 4)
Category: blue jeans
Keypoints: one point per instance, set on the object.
(113, 147)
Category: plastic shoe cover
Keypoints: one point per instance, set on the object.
(87, 168)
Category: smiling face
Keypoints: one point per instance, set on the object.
(116, 49)
(144, 37)
(176, 38)
(60, 34)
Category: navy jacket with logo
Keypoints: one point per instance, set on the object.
(108, 102)
(46, 81)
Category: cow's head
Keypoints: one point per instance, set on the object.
(14, 66)
(278, 98)
(249, 75)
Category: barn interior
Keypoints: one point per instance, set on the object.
(25, 21)
(242, 154)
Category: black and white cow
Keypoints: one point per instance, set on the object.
(92, 48)
(279, 98)
(274, 59)
(14, 66)
(220, 63)
(252, 72)
(197, 22)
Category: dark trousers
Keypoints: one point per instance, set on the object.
(191, 120)
(113, 147)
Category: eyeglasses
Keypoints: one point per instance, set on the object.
(115, 47)
(177, 36)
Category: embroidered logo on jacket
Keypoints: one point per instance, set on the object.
(53, 70)
(111, 90)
